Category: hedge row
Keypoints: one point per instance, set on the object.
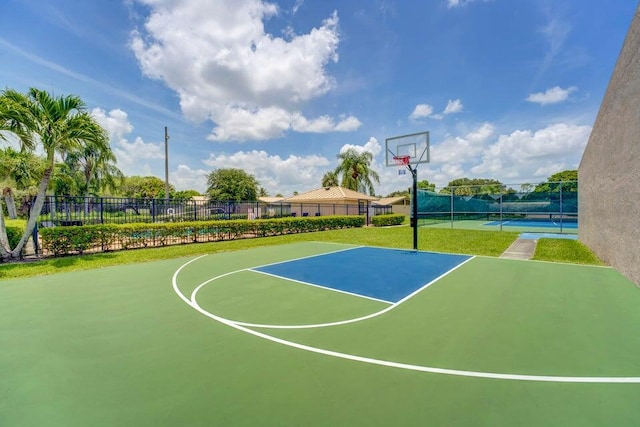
(387, 219)
(14, 234)
(106, 237)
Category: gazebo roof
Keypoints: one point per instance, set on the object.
(388, 201)
(268, 200)
(330, 194)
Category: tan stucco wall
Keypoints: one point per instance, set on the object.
(609, 173)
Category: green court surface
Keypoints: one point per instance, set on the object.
(206, 342)
(470, 224)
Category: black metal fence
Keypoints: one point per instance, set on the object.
(116, 210)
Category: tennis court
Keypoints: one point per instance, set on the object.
(518, 225)
(322, 334)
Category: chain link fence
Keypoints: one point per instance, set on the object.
(546, 207)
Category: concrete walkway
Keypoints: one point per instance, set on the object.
(520, 249)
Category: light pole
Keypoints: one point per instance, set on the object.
(166, 165)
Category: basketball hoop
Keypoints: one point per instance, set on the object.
(409, 150)
(401, 160)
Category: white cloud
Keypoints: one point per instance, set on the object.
(133, 158)
(482, 133)
(556, 32)
(453, 107)
(115, 122)
(324, 124)
(136, 158)
(426, 110)
(249, 82)
(348, 124)
(298, 4)
(421, 110)
(551, 96)
(238, 124)
(461, 149)
(525, 154)
(372, 146)
(517, 157)
(185, 178)
(459, 3)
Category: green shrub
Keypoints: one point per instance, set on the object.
(15, 228)
(14, 233)
(100, 237)
(387, 219)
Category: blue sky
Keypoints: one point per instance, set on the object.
(508, 89)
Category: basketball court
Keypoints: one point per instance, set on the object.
(322, 334)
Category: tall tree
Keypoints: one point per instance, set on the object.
(356, 171)
(330, 179)
(184, 194)
(473, 186)
(568, 178)
(19, 170)
(426, 185)
(55, 126)
(142, 187)
(93, 169)
(232, 184)
(63, 183)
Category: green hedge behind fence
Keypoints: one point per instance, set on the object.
(387, 219)
(14, 234)
(106, 237)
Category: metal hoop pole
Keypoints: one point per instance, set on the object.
(414, 173)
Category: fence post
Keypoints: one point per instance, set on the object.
(561, 207)
(451, 191)
(500, 210)
(52, 207)
(153, 210)
(34, 236)
(101, 210)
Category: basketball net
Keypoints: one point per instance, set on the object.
(400, 162)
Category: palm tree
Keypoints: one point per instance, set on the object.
(19, 170)
(330, 179)
(94, 169)
(356, 171)
(55, 125)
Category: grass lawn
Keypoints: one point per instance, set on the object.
(563, 250)
(471, 242)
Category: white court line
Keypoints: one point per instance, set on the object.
(419, 368)
(309, 256)
(318, 286)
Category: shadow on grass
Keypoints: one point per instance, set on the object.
(54, 265)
